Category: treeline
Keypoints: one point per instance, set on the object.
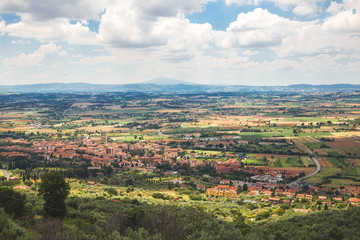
(103, 219)
(326, 225)
(130, 219)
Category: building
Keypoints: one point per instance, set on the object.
(109, 151)
(104, 136)
(222, 190)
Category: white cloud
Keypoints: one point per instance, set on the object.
(2, 26)
(344, 21)
(97, 60)
(305, 10)
(281, 3)
(169, 8)
(334, 7)
(250, 53)
(134, 26)
(300, 7)
(51, 30)
(242, 2)
(123, 26)
(35, 58)
(21, 42)
(258, 28)
(143, 39)
(50, 9)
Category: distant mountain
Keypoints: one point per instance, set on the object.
(165, 85)
(326, 88)
(168, 81)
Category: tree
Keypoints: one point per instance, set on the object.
(245, 187)
(111, 191)
(13, 202)
(54, 189)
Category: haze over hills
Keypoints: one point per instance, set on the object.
(168, 81)
(166, 85)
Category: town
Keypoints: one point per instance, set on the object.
(226, 139)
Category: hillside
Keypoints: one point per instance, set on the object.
(164, 85)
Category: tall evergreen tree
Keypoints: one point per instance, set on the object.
(54, 189)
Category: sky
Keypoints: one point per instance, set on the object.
(218, 42)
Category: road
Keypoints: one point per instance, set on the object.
(161, 133)
(318, 167)
(5, 173)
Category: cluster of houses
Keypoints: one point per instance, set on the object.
(146, 156)
(116, 155)
(279, 195)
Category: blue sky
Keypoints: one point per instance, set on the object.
(251, 42)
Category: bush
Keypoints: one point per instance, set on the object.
(111, 191)
(8, 229)
(158, 195)
(195, 197)
(28, 183)
(13, 202)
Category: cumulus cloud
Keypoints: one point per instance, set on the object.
(250, 53)
(35, 58)
(258, 28)
(300, 7)
(2, 26)
(156, 38)
(90, 9)
(242, 2)
(20, 42)
(50, 9)
(169, 8)
(305, 9)
(344, 21)
(97, 60)
(51, 30)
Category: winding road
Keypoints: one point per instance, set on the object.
(318, 167)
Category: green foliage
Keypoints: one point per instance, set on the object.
(323, 226)
(13, 202)
(195, 197)
(54, 189)
(9, 230)
(263, 214)
(111, 191)
(279, 211)
(158, 195)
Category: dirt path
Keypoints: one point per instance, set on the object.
(5, 173)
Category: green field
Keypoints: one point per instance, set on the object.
(310, 119)
(307, 161)
(332, 152)
(288, 162)
(255, 161)
(314, 145)
(325, 172)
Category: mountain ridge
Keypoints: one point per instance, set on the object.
(175, 86)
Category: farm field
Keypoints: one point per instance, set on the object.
(215, 129)
(222, 155)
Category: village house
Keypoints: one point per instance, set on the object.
(274, 199)
(353, 201)
(225, 182)
(322, 198)
(222, 190)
